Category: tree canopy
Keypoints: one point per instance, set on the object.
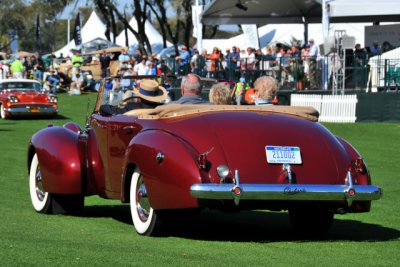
(172, 18)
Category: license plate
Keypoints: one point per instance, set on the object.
(34, 109)
(283, 154)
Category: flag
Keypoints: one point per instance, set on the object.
(38, 32)
(197, 25)
(77, 32)
(251, 39)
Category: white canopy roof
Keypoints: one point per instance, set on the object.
(272, 34)
(296, 11)
(93, 29)
(153, 35)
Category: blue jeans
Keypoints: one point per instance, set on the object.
(38, 74)
(54, 82)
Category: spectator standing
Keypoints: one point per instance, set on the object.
(141, 67)
(233, 59)
(359, 63)
(29, 68)
(313, 56)
(184, 60)
(77, 61)
(17, 68)
(38, 67)
(138, 56)
(105, 61)
(191, 89)
(201, 64)
(240, 89)
(265, 88)
(215, 57)
(123, 59)
(375, 49)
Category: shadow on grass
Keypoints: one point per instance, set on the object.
(38, 117)
(250, 226)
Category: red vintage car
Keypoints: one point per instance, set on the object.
(24, 97)
(184, 157)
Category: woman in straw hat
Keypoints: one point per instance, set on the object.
(149, 95)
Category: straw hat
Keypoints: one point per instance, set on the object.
(151, 91)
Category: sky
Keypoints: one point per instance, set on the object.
(68, 12)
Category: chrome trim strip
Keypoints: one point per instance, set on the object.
(286, 192)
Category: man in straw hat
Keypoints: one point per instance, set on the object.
(149, 95)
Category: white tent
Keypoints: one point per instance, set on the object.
(272, 34)
(93, 29)
(153, 35)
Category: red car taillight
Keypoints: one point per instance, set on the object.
(360, 172)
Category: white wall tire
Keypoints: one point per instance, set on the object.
(40, 199)
(2, 112)
(145, 220)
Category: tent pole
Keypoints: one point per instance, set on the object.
(305, 31)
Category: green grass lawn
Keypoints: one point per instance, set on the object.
(104, 236)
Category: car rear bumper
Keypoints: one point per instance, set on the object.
(31, 110)
(294, 192)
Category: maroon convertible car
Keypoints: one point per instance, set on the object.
(184, 157)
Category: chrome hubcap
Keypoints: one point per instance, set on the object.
(142, 201)
(39, 185)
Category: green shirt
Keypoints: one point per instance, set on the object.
(241, 86)
(17, 66)
(77, 61)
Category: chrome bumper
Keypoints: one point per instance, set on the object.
(26, 110)
(299, 192)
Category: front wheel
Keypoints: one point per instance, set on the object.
(40, 199)
(145, 220)
(2, 112)
(45, 202)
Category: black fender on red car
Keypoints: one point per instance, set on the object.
(159, 156)
(59, 157)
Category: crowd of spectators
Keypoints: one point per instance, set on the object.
(294, 67)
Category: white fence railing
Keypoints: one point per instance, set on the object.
(332, 108)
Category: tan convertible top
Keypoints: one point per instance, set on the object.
(178, 110)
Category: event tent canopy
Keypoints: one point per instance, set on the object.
(93, 29)
(298, 11)
(272, 34)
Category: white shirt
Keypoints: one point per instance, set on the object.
(140, 69)
(314, 51)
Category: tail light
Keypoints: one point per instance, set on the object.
(360, 172)
(359, 166)
(202, 160)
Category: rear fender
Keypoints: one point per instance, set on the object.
(168, 166)
(59, 159)
(360, 174)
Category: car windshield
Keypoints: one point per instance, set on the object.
(20, 86)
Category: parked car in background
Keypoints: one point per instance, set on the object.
(24, 97)
(188, 157)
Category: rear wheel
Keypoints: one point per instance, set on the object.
(2, 112)
(48, 203)
(145, 220)
(311, 220)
